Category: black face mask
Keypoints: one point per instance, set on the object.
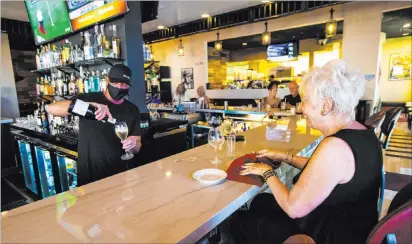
(117, 93)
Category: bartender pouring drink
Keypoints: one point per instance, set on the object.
(99, 149)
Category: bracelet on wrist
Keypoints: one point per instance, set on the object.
(269, 173)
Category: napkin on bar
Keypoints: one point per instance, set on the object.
(236, 166)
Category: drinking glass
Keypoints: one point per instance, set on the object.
(283, 106)
(122, 131)
(216, 140)
(230, 146)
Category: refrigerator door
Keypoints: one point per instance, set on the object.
(46, 176)
(27, 165)
(67, 171)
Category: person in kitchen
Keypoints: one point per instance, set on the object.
(294, 98)
(99, 149)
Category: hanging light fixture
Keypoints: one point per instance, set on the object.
(331, 25)
(266, 35)
(180, 49)
(218, 43)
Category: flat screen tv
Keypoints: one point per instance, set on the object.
(49, 19)
(282, 51)
(85, 13)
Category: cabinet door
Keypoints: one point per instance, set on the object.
(46, 176)
(67, 171)
(27, 165)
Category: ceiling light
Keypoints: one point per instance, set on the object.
(405, 34)
(265, 1)
(180, 49)
(244, 44)
(266, 35)
(331, 25)
(407, 25)
(205, 16)
(160, 27)
(218, 43)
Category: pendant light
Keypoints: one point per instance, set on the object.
(266, 35)
(331, 25)
(180, 49)
(218, 43)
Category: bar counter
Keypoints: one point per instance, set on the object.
(156, 203)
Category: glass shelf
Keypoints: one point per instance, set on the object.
(75, 65)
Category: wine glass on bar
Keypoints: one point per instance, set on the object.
(216, 140)
(122, 131)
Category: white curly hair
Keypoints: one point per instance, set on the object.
(335, 80)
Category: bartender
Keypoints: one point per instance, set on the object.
(294, 97)
(99, 149)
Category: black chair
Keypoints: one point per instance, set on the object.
(376, 120)
(388, 125)
(402, 197)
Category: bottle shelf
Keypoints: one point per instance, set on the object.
(74, 66)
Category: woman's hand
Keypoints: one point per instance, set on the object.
(254, 169)
(273, 155)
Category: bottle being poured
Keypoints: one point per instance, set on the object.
(88, 111)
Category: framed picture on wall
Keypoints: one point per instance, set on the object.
(400, 66)
(187, 78)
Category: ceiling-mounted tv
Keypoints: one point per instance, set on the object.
(85, 13)
(49, 19)
(282, 51)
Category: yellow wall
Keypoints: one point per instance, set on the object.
(399, 90)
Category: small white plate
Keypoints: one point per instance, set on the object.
(210, 176)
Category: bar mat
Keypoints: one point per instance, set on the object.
(13, 205)
(236, 166)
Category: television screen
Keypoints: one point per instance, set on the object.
(84, 13)
(48, 19)
(283, 51)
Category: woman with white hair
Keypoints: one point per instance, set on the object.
(335, 197)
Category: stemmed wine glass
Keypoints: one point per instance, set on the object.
(122, 131)
(216, 140)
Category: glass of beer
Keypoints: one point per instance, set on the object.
(122, 131)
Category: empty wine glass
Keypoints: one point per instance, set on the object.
(122, 131)
(216, 140)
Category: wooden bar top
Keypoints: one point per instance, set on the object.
(155, 203)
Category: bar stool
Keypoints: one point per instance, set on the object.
(389, 124)
(376, 120)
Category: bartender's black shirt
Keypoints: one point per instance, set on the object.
(292, 100)
(99, 149)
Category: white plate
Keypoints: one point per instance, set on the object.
(210, 176)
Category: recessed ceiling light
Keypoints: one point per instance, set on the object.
(405, 34)
(265, 1)
(407, 25)
(160, 27)
(244, 44)
(205, 15)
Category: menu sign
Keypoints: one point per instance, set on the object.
(85, 13)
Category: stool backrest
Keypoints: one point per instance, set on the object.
(397, 224)
(390, 120)
(375, 120)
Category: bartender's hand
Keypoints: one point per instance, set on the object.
(288, 106)
(132, 144)
(273, 155)
(102, 111)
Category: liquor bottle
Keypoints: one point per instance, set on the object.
(103, 83)
(46, 86)
(59, 84)
(115, 43)
(42, 88)
(86, 83)
(85, 110)
(96, 42)
(65, 85)
(96, 81)
(50, 56)
(38, 87)
(38, 65)
(44, 120)
(88, 51)
(38, 116)
(80, 85)
(53, 84)
(105, 45)
(72, 85)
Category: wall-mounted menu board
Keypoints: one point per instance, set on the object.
(48, 18)
(85, 13)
